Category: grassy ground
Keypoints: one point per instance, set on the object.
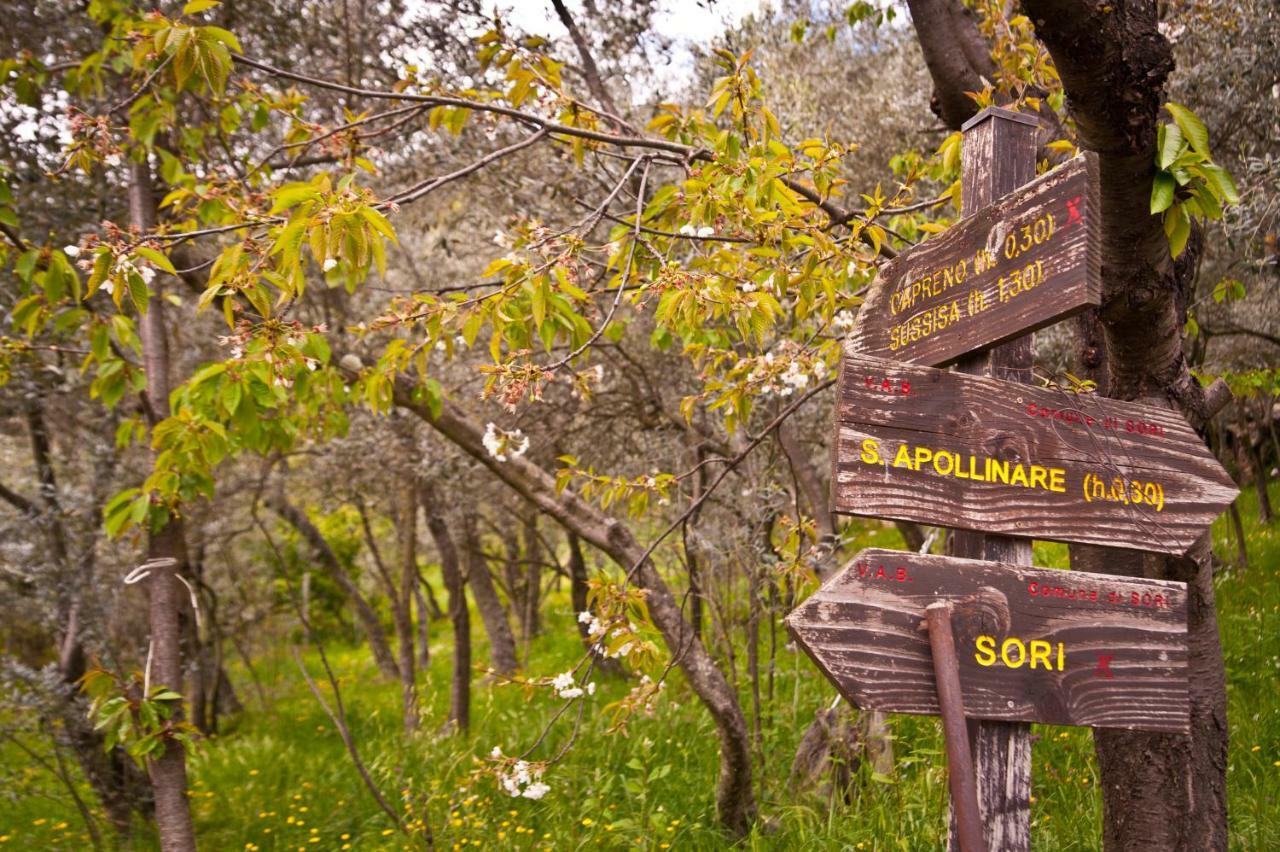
(280, 780)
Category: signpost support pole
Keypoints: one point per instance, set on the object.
(997, 157)
(961, 779)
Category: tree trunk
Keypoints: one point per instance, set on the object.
(502, 643)
(328, 560)
(1237, 530)
(459, 615)
(407, 530)
(734, 796)
(532, 577)
(1159, 791)
(424, 624)
(578, 596)
(1259, 470)
(120, 787)
(166, 552)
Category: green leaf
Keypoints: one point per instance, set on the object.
(1191, 126)
(1162, 189)
(1220, 183)
(195, 7)
(158, 260)
(292, 194)
(1169, 143)
(138, 292)
(1177, 227)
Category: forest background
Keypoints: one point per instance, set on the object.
(454, 349)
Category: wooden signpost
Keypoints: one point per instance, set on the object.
(1003, 462)
(919, 444)
(1021, 263)
(1033, 645)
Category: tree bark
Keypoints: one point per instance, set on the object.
(328, 560)
(502, 642)
(119, 786)
(946, 56)
(734, 796)
(459, 615)
(1159, 792)
(1259, 470)
(532, 578)
(166, 552)
(407, 530)
(423, 624)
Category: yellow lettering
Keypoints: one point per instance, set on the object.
(1016, 645)
(1040, 651)
(1060, 668)
(940, 457)
(903, 457)
(1039, 477)
(1019, 476)
(870, 451)
(986, 653)
(923, 454)
(1056, 480)
(998, 469)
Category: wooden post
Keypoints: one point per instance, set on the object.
(960, 772)
(998, 156)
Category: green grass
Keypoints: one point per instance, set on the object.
(277, 780)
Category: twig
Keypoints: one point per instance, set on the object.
(622, 279)
(415, 192)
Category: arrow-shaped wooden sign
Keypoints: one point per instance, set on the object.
(1021, 263)
(919, 444)
(1037, 645)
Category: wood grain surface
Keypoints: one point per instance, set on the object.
(1110, 651)
(1023, 262)
(918, 444)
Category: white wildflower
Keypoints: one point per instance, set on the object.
(747, 287)
(571, 692)
(71, 251)
(112, 160)
(586, 617)
(536, 790)
(687, 231)
(843, 320)
(147, 274)
(623, 651)
(441, 346)
(706, 231)
(329, 264)
(502, 444)
(591, 688)
(459, 342)
(496, 753)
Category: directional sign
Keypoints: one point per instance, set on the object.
(1028, 260)
(918, 444)
(1036, 645)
